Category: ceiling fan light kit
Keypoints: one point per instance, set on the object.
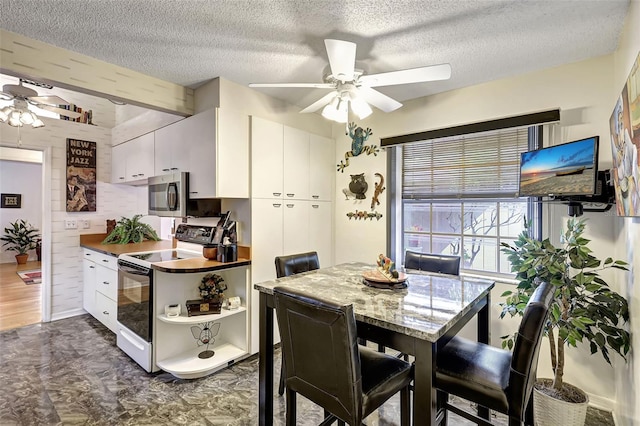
(350, 86)
(17, 117)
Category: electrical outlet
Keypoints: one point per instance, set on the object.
(70, 224)
(85, 224)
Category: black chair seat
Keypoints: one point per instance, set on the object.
(440, 263)
(467, 369)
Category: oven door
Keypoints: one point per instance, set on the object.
(135, 298)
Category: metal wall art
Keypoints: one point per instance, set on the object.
(205, 334)
(358, 138)
(379, 188)
(362, 214)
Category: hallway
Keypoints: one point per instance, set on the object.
(20, 304)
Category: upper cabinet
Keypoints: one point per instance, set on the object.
(290, 163)
(132, 162)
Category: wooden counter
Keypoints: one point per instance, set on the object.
(181, 266)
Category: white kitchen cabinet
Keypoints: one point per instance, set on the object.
(321, 230)
(322, 168)
(295, 163)
(295, 227)
(213, 146)
(175, 348)
(132, 162)
(266, 158)
(100, 273)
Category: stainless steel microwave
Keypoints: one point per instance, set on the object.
(168, 195)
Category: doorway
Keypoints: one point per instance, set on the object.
(21, 285)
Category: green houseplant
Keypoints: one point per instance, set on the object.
(584, 310)
(130, 231)
(20, 236)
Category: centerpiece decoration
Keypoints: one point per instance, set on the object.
(212, 287)
(385, 275)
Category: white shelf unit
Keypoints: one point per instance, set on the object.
(175, 349)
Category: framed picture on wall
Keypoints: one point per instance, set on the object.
(81, 175)
(10, 201)
(624, 126)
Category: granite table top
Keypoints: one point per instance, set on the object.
(426, 309)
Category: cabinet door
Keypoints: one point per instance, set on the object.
(295, 227)
(296, 164)
(321, 231)
(119, 155)
(322, 168)
(140, 158)
(107, 282)
(107, 312)
(164, 141)
(89, 286)
(232, 154)
(266, 237)
(197, 154)
(266, 158)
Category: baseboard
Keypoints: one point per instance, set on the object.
(601, 403)
(67, 314)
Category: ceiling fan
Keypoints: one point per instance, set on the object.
(352, 86)
(22, 96)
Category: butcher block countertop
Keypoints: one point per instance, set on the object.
(198, 264)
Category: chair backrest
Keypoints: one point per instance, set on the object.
(320, 349)
(441, 263)
(524, 362)
(296, 264)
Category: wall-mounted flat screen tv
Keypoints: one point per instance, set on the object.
(560, 170)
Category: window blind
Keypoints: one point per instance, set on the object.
(478, 165)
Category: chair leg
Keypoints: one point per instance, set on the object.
(281, 385)
(291, 408)
(405, 406)
(381, 348)
(443, 400)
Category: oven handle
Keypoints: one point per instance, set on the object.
(131, 339)
(130, 268)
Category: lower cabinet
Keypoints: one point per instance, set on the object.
(100, 291)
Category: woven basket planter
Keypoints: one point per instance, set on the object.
(549, 411)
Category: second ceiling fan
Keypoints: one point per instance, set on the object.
(349, 85)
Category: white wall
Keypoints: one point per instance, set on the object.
(627, 236)
(17, 177)
(113, 201)
(583, 93)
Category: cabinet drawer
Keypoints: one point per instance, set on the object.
(106, 311)
(105, 260)
(107, 282)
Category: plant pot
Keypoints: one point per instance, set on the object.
(22, 258)
(550, 411)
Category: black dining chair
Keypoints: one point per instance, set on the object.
(291, 265)
(325, 364)
(440, 263)
(494, 378)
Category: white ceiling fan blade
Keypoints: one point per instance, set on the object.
(49, 100)
(379, 100)
(342, 58)
(413, 75)
(6, 96)
(320, 103)
(61, 111)
(306, 85)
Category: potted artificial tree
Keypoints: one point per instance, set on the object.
(585, 309)
(20, 236)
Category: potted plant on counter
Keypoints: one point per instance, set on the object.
(131, 231)
(584, 310)
(20, 236)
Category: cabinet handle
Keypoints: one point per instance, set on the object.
(315, 197)
(193, 192)
(290, 195)
(92, 267)
(134, 175)
(141, 174)
(290, 205)
(276, 204)
(105, 312)
(105, 260)
(277, 194)
(165, 170)
(174, 168)
(315, 206)
(121, 178)
(105, 282)
(87, 254)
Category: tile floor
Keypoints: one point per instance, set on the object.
(70, 372)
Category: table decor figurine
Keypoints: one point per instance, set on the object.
(385, 275)
(205, 334)
(212, 287)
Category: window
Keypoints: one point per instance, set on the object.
(459, 196)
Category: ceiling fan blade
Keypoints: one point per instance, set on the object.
(49, 100)
(6, 96)
(412, 75)
(61, 111)
(342, 58)
(306, 85)
(320, 103)
(379, 100)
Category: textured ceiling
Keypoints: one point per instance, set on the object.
(189, 42)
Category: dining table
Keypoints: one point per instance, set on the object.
(416, 320)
